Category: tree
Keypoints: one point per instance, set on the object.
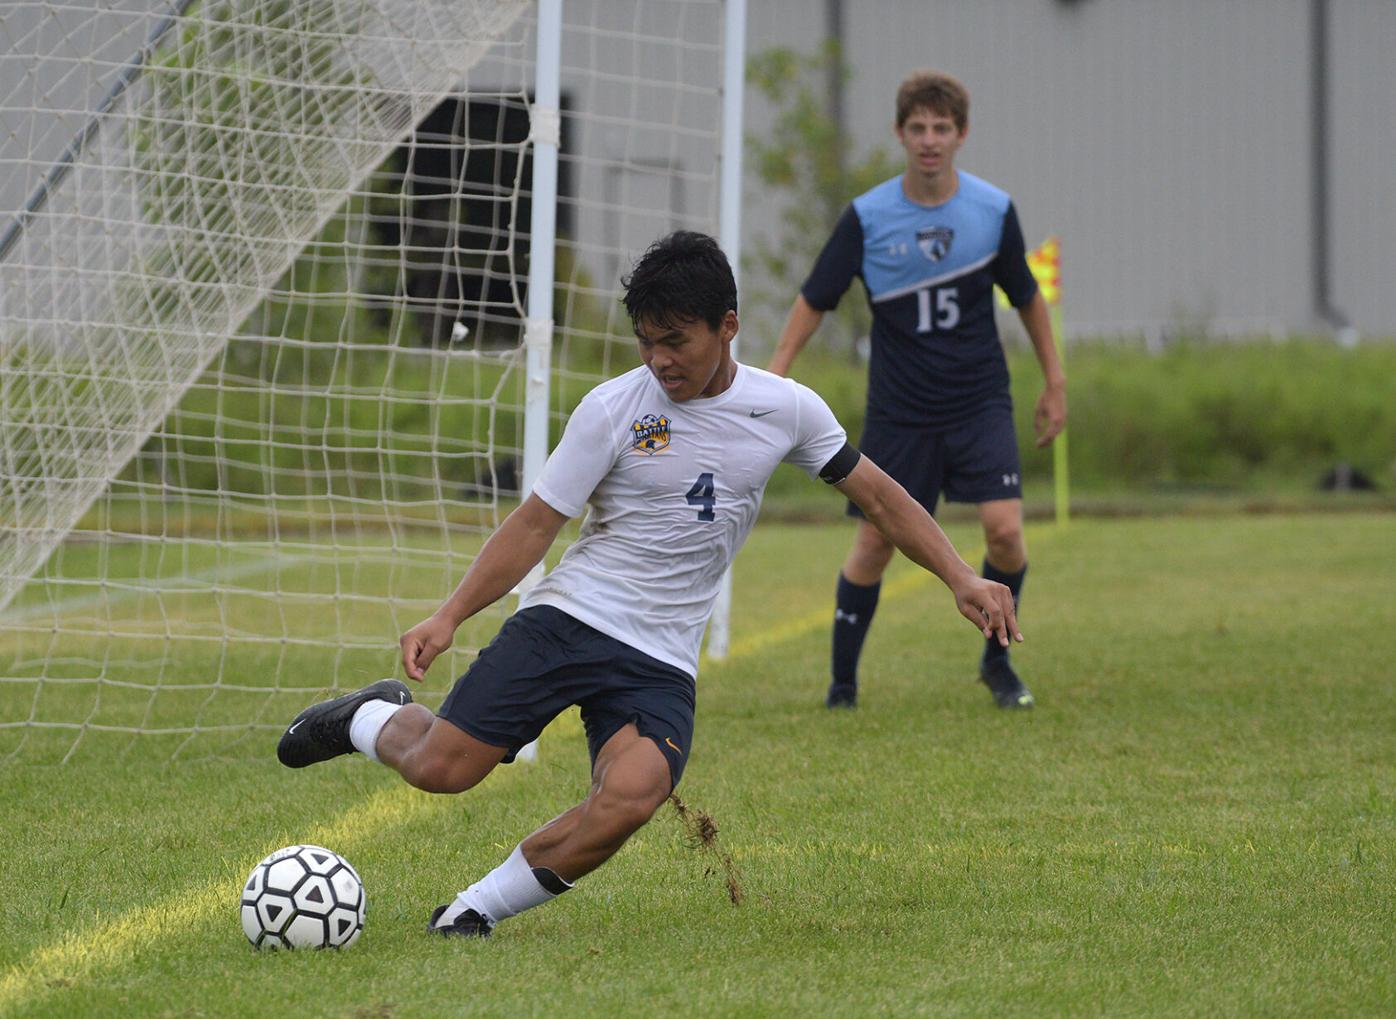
(806, 161)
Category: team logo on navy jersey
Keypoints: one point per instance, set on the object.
(935, 241)
(649, 434)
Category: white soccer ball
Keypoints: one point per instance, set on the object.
(303, 897)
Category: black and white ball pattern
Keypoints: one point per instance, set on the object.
(303, 897)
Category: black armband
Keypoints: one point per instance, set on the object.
(841, 465)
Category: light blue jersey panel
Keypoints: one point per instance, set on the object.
(907, 246)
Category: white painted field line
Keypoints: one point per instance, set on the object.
(134, 588)
(77, 955)
(822, 619)
(819, 619)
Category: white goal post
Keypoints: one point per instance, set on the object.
(285, 330)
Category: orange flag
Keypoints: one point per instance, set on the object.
(1045, 261)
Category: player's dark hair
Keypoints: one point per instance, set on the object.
(682, 278)
(936, 91)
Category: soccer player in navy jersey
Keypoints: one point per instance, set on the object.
(668, 462)
(929, 246)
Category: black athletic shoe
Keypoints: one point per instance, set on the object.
(469, 924)
(841, 695)
(1004, 684)
(321, 731)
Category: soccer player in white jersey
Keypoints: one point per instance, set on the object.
(671, 459)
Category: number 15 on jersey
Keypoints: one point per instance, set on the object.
(947, 309)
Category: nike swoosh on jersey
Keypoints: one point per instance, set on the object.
(763, 413)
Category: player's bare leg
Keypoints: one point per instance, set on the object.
(868, 558)
(629, 782)
(1005, 561)
(1002, 520)
(381, 722)
(855, 601)
(432, 754)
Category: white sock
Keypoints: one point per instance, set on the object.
(506, 891)
(367, 723)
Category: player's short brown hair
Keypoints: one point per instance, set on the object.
(936, 91)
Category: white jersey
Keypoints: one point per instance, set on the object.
(674, 489)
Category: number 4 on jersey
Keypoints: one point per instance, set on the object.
(703, 495)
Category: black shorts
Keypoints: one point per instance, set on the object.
(975, 461)
(543, 661)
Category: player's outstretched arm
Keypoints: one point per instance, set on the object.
(1049, 417)
(905, 522)
(800, 325)
(512, 550)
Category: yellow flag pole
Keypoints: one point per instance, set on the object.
(1061, 473)
(1045, 263)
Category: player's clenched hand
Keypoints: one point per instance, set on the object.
(421, 644)
(989, 606)
(1050, 417)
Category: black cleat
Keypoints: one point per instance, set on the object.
(1004, 684)
(469, 924)
(841, 695)
(321, 731)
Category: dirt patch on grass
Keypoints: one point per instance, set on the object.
(701, 832)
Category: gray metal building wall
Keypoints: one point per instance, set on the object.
(1167, 143)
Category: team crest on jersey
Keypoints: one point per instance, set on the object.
(649, 434)
(935, 241)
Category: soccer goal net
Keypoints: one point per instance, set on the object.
(264, 292)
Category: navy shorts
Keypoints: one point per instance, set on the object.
(975, 461)
(543, 661)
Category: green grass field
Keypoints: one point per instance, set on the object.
(1198, 819)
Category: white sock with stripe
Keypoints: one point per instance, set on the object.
(506, 891)
(367, 723)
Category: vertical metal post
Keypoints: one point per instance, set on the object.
(833, 29)
(1061, 461)
(545, 133)
(730, 237)
(1324, 309)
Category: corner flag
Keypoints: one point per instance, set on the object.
(1045, 261)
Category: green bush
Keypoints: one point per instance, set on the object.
(1232, 417)
(1244, 418)
(1225, 417)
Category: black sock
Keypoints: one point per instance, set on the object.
(993, 650)
(854, 606)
